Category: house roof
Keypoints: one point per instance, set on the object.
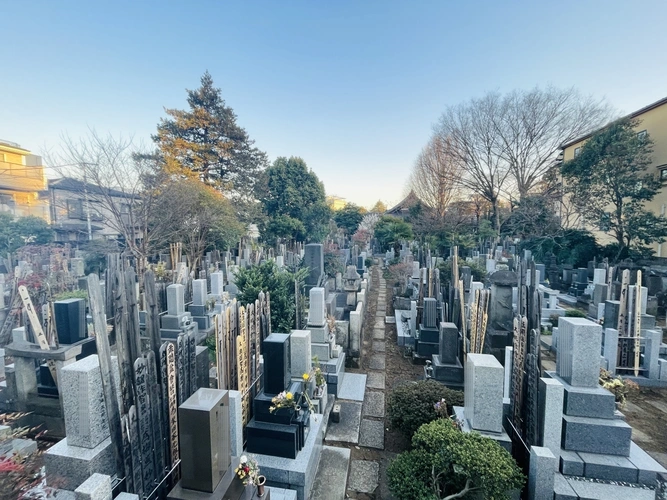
(77, 186)
(409, 201)
(632, 115)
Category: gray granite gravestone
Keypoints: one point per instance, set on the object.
(579, 345)
(300, 352)
(484, 392)
(317, 309)
(203, 422)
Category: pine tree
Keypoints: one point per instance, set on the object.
(207, 141)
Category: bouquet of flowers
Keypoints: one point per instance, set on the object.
(441, 408)
(247, 471)
(282, 400)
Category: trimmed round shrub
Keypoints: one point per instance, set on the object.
(449, 461)
(411, 404)
(409, 476)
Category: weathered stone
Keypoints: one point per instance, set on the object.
(373, 404)
(363, 476)
(543, 466)
(578, 359)
(371, 434)
(484, 392)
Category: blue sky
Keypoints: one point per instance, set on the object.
(354, 88)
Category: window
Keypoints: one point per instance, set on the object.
(75, 209)
(642, 134)
(577, 152)
(663, 173)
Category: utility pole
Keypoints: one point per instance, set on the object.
(85, 191)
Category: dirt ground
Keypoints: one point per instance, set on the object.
(646, 412)
(398, 369)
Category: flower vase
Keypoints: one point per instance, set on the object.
(261, 480)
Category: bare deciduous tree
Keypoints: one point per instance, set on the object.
(471, 131)
(532, 125)
(123, 185)
(436, 175)
(508, 143)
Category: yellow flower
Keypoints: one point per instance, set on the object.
(289, 396)
(306, 376)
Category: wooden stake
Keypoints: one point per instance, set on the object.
(638, 319)
(95, 303)
(37, 328)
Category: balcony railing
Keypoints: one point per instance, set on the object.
(21, 178)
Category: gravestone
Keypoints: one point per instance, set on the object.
(578, 359)
(175, 299)
(87, 448)
(446, 365)
(314, 260)
(483, 392)
(300, 352)
(199, 292)
(217, 284)
(277, 371)
(83, 399)
(70, 320)
(203, 422)
(430, 312)
(317, 314)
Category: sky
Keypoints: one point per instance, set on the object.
(352, 87)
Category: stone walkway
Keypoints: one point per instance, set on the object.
(362, 400)
(364, 474)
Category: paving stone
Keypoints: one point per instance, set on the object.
(379, 323)
(373, 404)
(378, 334)
(331, 477)
(380, 314)
(377, 362)
(378, 345)
(390, 320)
(347, 430)
(364, 476)
(371, 434)
(375, 380)
(353, 387)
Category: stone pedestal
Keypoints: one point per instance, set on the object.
(542, 469)
(551, 396)
(484, 392)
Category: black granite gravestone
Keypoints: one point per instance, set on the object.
(70, 320)
(277, 372)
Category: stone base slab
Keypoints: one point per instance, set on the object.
(69, 466)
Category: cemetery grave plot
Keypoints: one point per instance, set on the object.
(646, 412)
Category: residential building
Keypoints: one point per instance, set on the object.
(78, 212)
(652, 121)
(22, 182)
(336, 202)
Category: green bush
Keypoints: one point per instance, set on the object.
(411, 404)
(575, 313)
(74, 294)
(444, 459)
(409, 475)
(477, 270)
(368, 262)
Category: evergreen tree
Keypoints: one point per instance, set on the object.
(294, 202)
(207, 141)
(610, 184)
